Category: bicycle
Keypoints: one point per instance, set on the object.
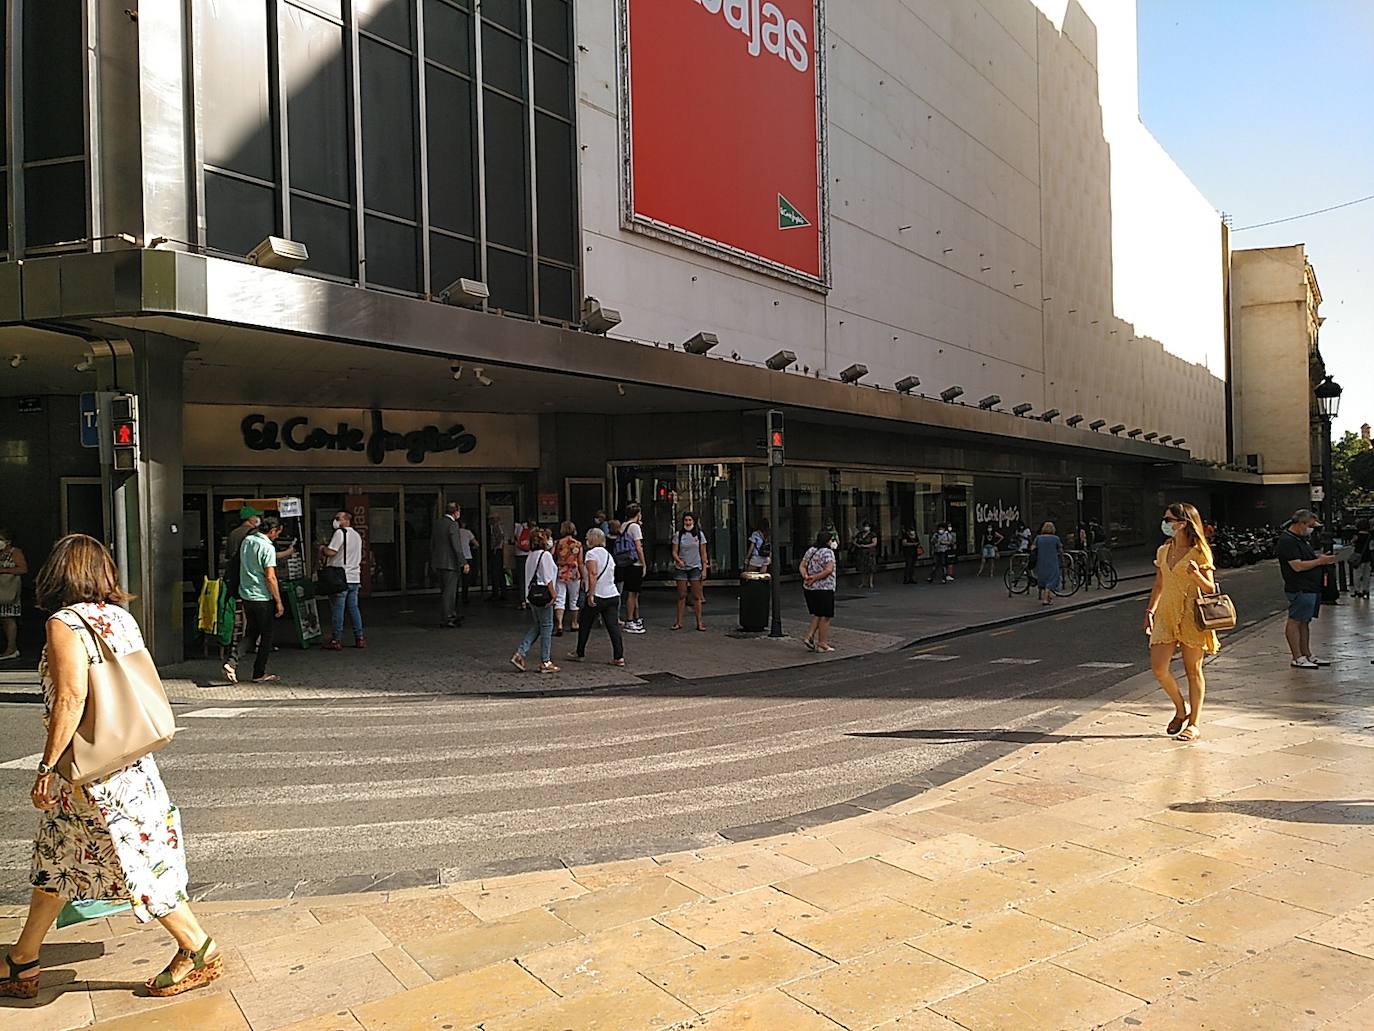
(1018, 578)
(1103, 568)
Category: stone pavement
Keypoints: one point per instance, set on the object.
(406, 655)
(1097, 875)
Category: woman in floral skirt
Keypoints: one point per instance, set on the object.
(119, 836)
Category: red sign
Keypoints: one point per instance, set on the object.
(358, 506)
(724, 126)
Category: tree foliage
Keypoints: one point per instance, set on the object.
(1352, 467)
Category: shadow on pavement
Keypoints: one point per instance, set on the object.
(1017, 737)
(1336, 811)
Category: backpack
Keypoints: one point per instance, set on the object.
(625, 552)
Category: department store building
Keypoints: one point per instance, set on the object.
(796, 205)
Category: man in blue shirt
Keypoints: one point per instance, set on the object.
(1301, 567)
(261, 598)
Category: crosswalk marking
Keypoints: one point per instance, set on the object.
(1003, 633)
(1105, 665)
(216, 714)
(932, 657)
(1016, 662)
(24, 763)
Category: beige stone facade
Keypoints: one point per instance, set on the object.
(1275, 361)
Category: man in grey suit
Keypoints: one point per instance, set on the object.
(446, 557)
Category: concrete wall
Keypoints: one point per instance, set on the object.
(990, 129)
(1272, 311)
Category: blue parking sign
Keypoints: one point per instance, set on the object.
(90, 420)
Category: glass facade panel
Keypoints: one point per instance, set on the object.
(557, 189)
(1056, 502)
(557, 298)
(238, 214)
(327, 232)
(503, 61)
(510, 13)
(333, 8)
(552, 26)
(316, 83)
(450, 259)
(392, 256)
(551, 84)
(389, 149)
(390, 19)
(448, 35)
(55, 203)
(235, 86)
(508, 193)
(1124, 508)
(53, 81)
(452, 152)
(508, 279)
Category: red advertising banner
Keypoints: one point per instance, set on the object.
(358, 506)
(724, 126)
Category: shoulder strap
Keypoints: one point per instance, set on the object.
(101, 646)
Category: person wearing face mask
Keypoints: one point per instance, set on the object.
(692, 564)
(345, 551)
(1183, 568)
(13, 568)
(1301, 567)
(866, 554)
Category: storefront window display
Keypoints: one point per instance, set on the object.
(1123, 512)
(665, 492)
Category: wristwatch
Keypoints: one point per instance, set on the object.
(43, 768)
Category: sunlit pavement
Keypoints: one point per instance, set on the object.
(1097, 874)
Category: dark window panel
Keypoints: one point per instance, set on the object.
(450, 259)
(552, 26)
(390, 19)
(510, 13)
(327, 233)
(55, 203)
(237, 214)
(552, 84)
(508, 279)
(508, 190)
(333, 8)
(392, 256)
(503, 61)
(452, 152)
(313, 76)
(388, 130)
(557, 299)
(237, 116)
(53, 77)
(557, 194)
(448, 35)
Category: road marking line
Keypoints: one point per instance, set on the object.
(1105, 665)
(1016, 662)
(929, 648)
(217, 714)
(1250, 622)
(1067, 615)
(928, 657)
(24, 763)
(1002, 633)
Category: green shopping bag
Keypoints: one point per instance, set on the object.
(80, 910)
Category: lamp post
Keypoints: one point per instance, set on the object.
(1328, 393)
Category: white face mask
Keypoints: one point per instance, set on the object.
(336, 524)
(1167, 528)
(4, 544)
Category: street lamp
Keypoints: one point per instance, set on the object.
(1328, 393)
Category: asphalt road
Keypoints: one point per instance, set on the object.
(320, 798)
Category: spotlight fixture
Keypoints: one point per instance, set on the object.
(781, 360)
(465, 293)
(456, 369)
(990, 402)
(1179, 442)
(1097, 424)
(1135, 433)
(701, 343)
(951, 393)
(86, 364)
(620, 389)
(278, 253)
(1073, 420)
(907, 384)
(1151, 436)
(596, 319)
(854, 373)
(1049, 415)
(16, 361)
(481, 376)
(1166, 438)
(1022, 409)
(1117, 428)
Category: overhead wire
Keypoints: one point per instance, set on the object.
(1306, 214)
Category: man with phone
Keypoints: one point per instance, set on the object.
(261, 597)
(1302, 568)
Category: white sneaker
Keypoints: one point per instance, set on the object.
(10, 655)
(949, 579)
(1317, 661)
(1304, 663)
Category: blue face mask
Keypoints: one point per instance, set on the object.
(1167, 528)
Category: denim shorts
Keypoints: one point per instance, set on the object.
(693, 573)
(1303, 606)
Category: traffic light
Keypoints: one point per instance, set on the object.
(775, 437)
(124, 431)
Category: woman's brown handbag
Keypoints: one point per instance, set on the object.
(1215, 611)
(127, 715)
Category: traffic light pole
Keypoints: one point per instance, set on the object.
(775, 581)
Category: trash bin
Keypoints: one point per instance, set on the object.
(755, 600)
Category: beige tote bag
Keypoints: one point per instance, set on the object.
(127, 714)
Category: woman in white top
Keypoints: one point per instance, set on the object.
(539, 570)
(603, 599)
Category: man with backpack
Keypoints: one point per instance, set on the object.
(630, 565)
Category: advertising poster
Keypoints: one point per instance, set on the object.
(358, 506)
(724, 128)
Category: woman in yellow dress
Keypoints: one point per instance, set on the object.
(1184, 568)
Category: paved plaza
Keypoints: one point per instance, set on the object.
(1096, 875)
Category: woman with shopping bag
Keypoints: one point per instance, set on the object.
(108, 830)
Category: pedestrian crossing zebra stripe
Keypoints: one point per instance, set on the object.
(1015, 662)
(932, 657)
(1105, 665)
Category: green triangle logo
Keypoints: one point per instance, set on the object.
(788, 215)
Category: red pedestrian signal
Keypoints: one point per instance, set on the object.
(124, 434)
(777, 438)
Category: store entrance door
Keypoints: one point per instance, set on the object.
(502, 506)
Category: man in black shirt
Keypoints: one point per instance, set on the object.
(1302, 582)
